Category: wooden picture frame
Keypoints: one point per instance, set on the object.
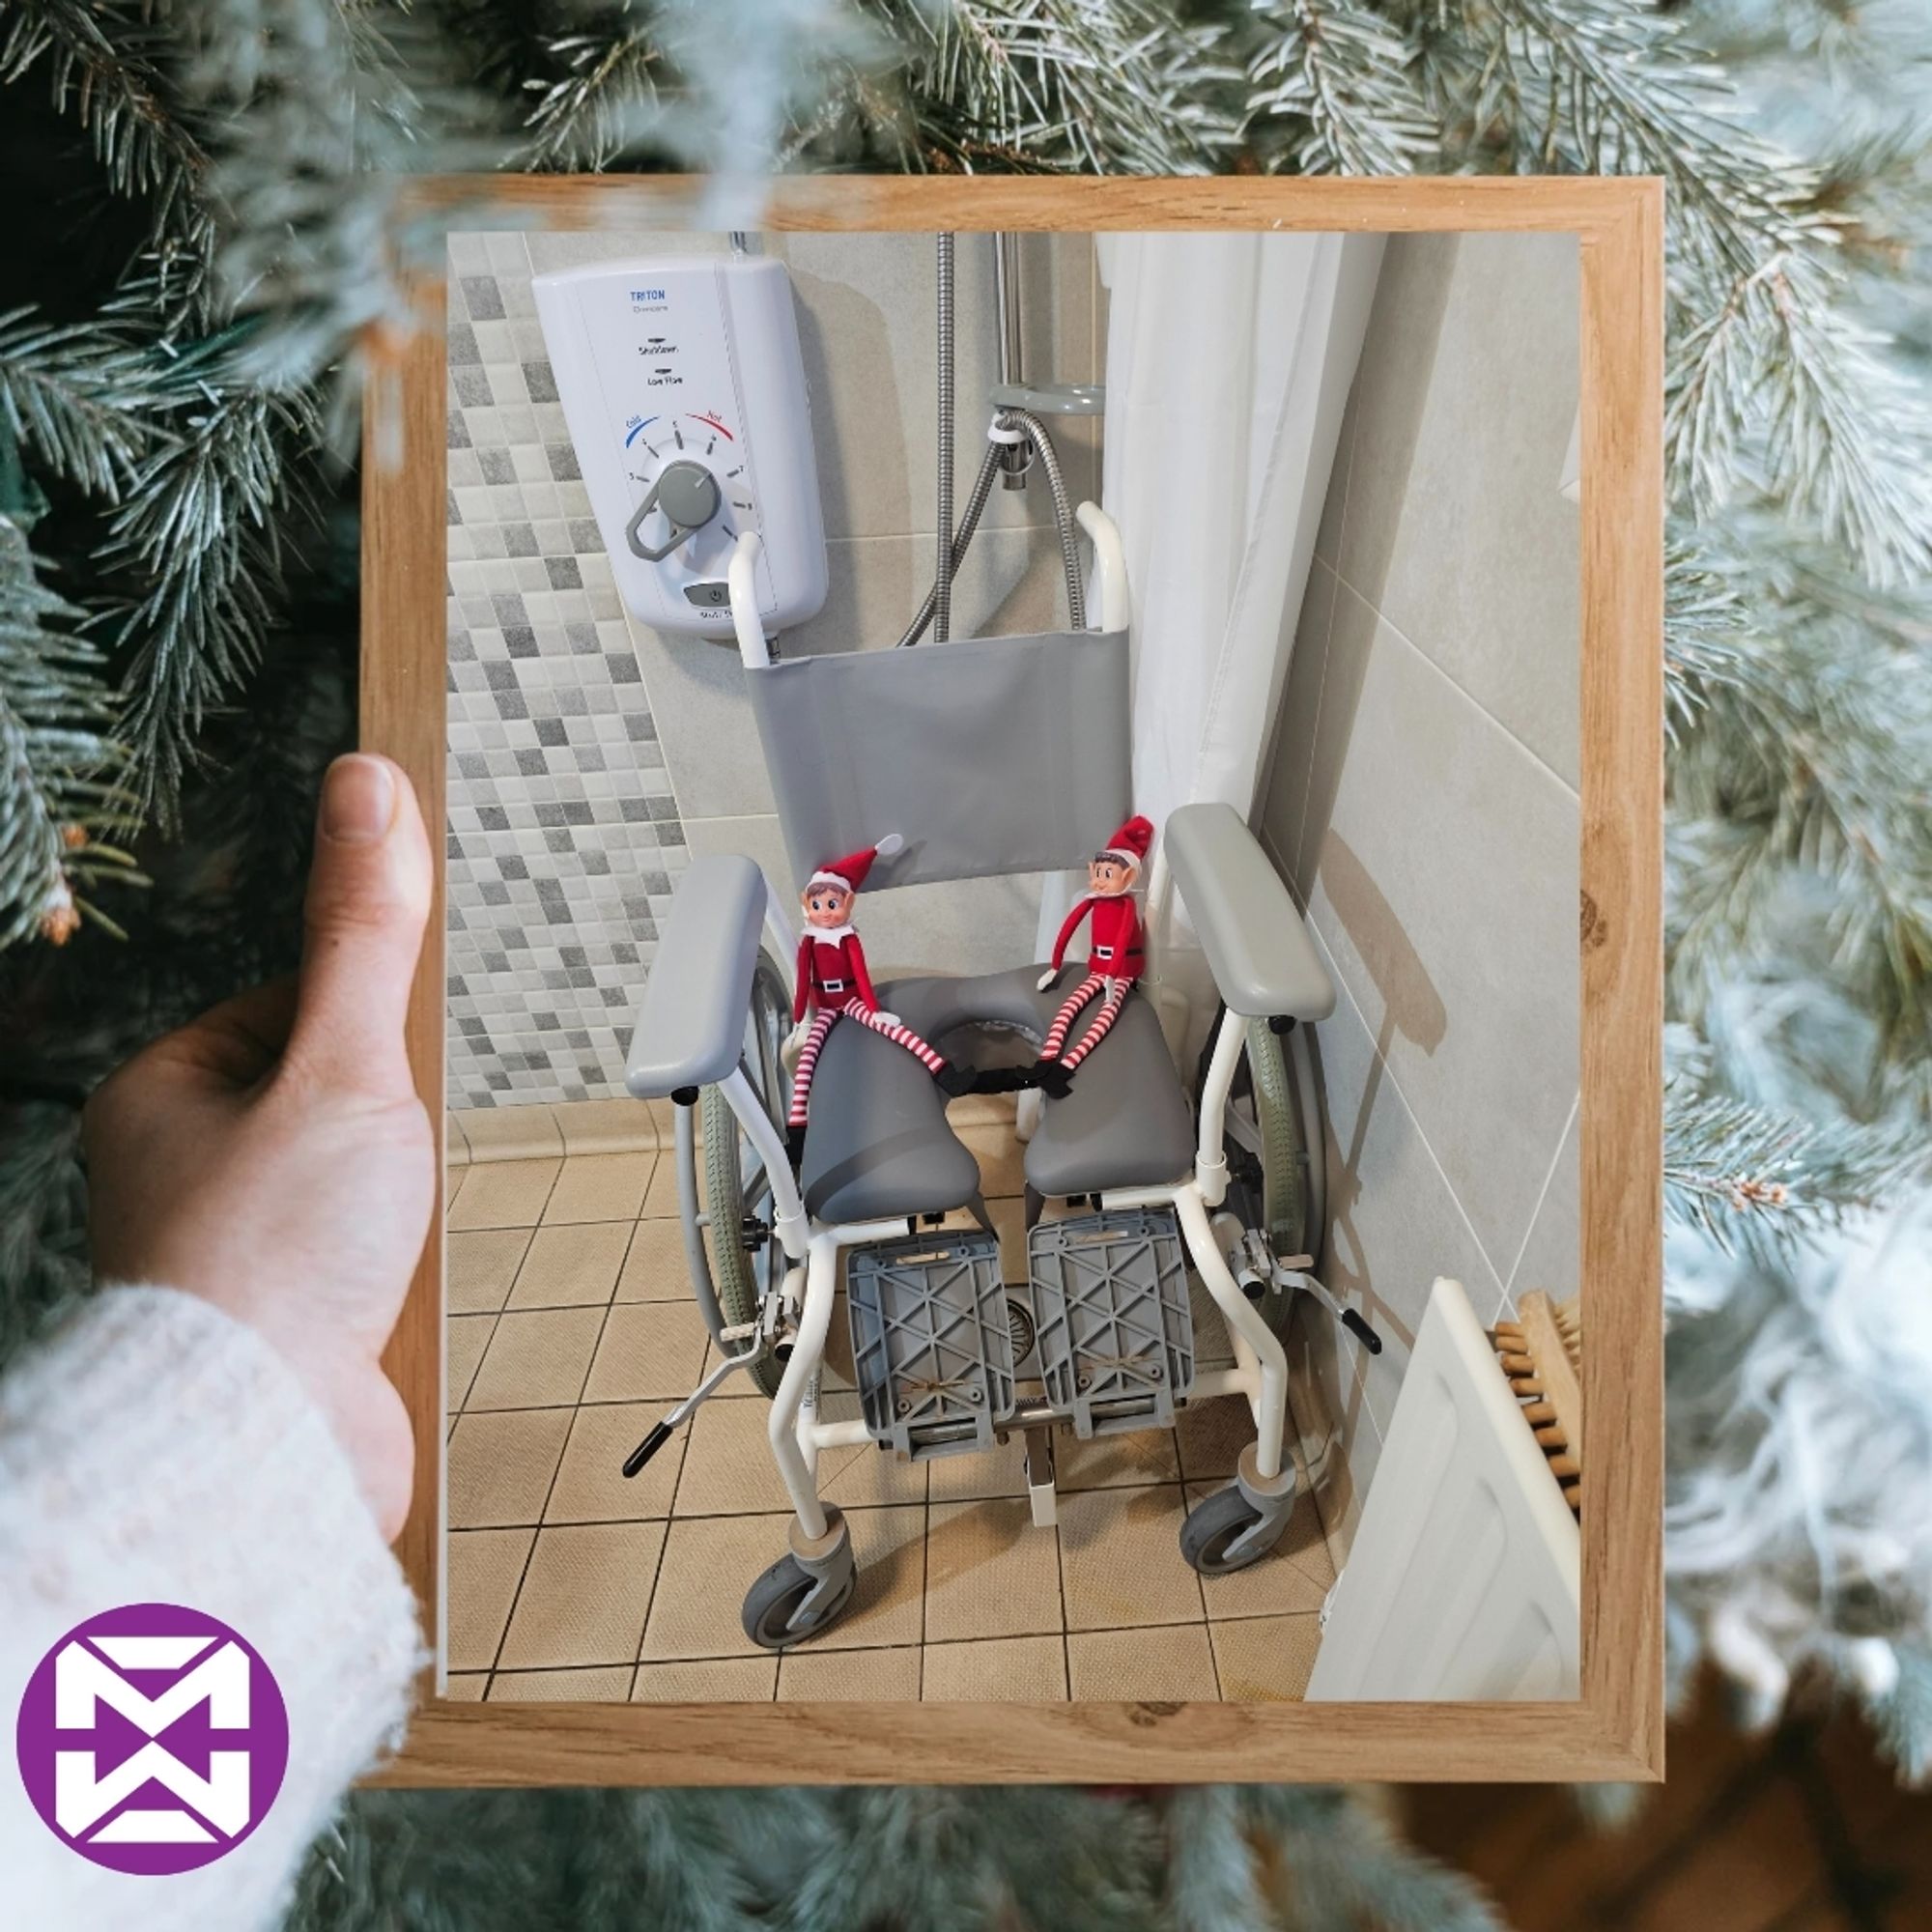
(1615, 1728)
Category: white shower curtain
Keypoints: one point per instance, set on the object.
(1229, 361)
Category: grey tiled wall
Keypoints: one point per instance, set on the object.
(1424, 804)
(589, 754)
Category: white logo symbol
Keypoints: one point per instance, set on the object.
(82, 1683)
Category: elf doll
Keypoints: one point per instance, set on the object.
(833, 982)
(1115, 957)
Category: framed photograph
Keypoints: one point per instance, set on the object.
(1045, 997)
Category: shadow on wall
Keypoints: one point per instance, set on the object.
(1412, 1008)
(1405, 328)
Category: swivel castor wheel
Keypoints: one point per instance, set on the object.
(801, 1596)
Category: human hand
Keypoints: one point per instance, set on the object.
(273, 1158)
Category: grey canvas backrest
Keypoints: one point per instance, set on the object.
(988, 756)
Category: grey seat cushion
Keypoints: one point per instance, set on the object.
(879, 1144)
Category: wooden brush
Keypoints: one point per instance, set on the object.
(1541, 1353)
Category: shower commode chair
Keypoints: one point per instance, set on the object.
(991, 755)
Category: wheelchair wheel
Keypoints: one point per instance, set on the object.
(1215, 1527)
(1275, 1146)
(747, 1261)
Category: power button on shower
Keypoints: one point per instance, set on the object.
(714, 594)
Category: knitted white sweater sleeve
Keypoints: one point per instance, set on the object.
(155, 1451)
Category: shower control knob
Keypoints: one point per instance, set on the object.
(687, 493)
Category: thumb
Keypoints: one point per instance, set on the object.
(368, 896)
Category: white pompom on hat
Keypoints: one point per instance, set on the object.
(850, 872)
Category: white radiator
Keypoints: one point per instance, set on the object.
(1464, 1580)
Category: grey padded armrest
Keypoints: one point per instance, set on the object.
(690, 1029)
(1260, 953)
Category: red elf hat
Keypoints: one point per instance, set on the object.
(850, 872)
(1132, 843)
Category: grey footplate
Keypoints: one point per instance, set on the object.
(932, 1347)
(1116, 1330)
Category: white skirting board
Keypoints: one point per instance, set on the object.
(1465, 1579)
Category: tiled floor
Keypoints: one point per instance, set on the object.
(571, 1328)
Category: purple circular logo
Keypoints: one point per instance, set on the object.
(152, 1739)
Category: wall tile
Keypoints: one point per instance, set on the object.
(1551, 1258)
(1453, 527)
(1445, 887)
(1394, 1223)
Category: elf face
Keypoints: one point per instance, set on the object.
(826, 905)
(1109, 875)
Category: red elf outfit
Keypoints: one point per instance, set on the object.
(833, 983)
(1116, 957)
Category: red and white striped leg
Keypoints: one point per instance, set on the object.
(1110, 1010)
(900, 1035)
(1069, 1010)
(808, 1060)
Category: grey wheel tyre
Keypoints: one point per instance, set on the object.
(1213, 1527)
(776, 1597)
(1285, 1155)
(735, 1183)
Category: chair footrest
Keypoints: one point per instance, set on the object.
(931, 1345)
(1116, 1330)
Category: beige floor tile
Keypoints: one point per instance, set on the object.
(889, 1547)
(708, 1565)
(990, 1573)
(1212, 1435)
(1114, 1461)
(710, 1562)
(607, 1127)
(654, 1266)
(1266, 1660)
(527, 1131)
(999, 1155)
(482, 1264)
(979, 1110)
(502, 1194)
(812, 1676)
(650, 1350)
(729, 1468)
(1212, 1349)
(570, 1265)
(606, 1684)
(714, 1680)
(1142, 1666)
(465, 1687)
(998, 1471)
(1293, 1578)
(536, 1359)
(1000, 1670)
(591, 1485)
(1120, 1561)
(485, 1567)
(455, 1142)
(600, 1187)
(500, 1466)
(464, 1339)
(661, 1197)
(870, 1478)
(584, 1595)
(866, 1477)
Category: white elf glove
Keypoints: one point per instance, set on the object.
(885, 1018)
(1046, 980)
